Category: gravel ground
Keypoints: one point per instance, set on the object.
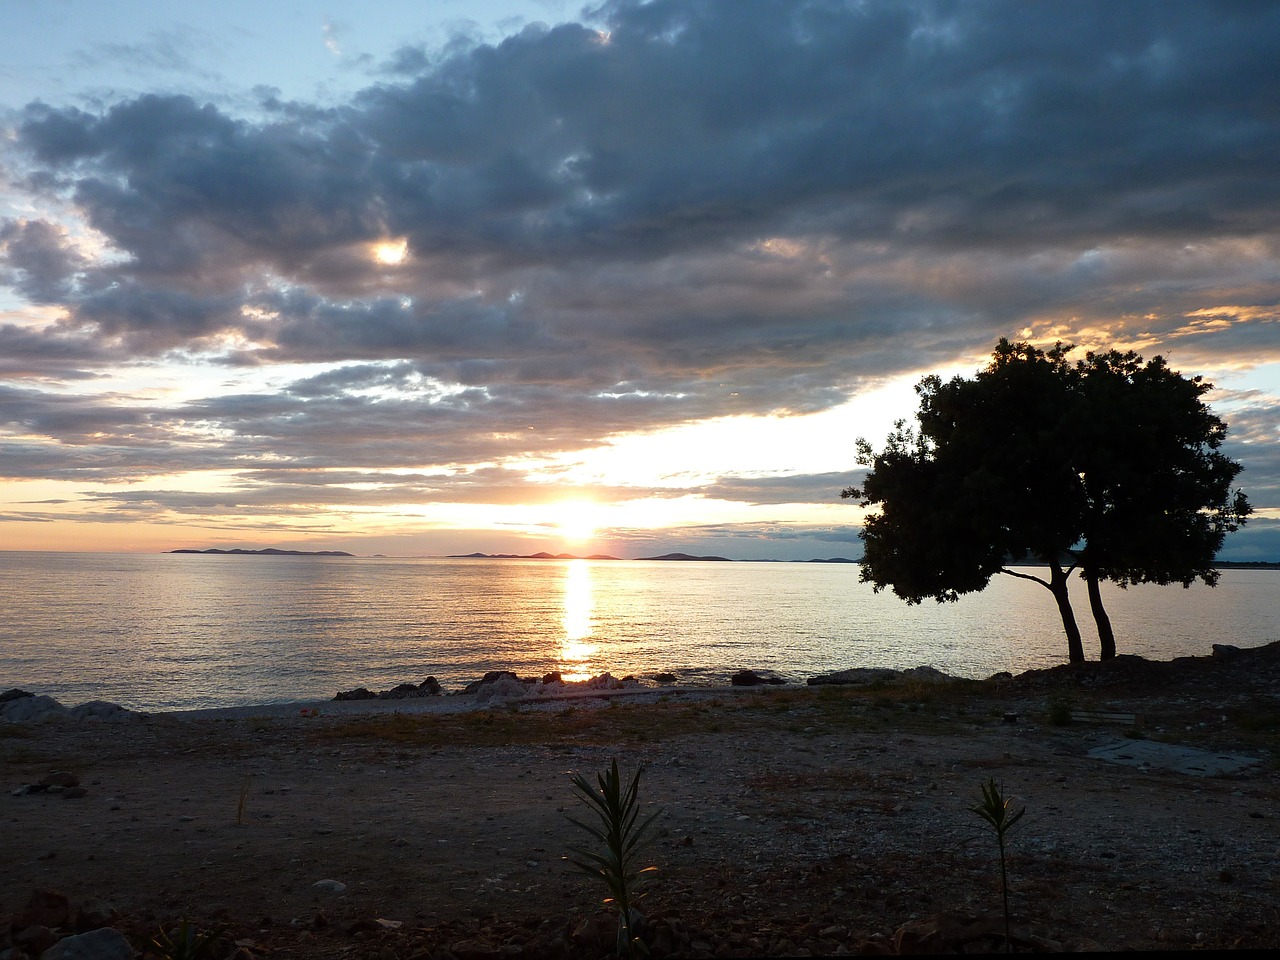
(795, 822)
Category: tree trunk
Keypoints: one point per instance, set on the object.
(1106, 635)
(1058, 586)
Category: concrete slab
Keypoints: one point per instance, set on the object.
(1169, 756)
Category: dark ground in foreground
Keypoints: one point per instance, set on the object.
(794, 821)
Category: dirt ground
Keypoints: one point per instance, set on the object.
(795, 822)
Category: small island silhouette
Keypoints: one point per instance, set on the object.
(270, 552)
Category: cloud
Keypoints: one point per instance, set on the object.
(667, 212)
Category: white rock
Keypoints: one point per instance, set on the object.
(28, 709)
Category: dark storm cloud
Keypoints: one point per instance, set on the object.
(37, 261)
(676, 210)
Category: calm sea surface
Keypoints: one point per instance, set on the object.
(172, 632)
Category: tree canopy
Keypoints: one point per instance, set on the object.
(1110, 465)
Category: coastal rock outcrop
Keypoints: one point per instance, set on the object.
(865, 676)
(19, 706)
(429, 687)
(749, 678)
(503, 685)
(500, 685)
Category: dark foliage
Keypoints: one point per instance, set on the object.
(1110, 464)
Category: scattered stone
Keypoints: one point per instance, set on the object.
(329, 886)
(665, 678)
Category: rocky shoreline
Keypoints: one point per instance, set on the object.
(495, 687)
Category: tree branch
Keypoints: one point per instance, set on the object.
(1026, 576)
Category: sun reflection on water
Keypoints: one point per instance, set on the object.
(576, 649)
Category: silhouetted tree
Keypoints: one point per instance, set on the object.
(1158, 491)
(1110, 465)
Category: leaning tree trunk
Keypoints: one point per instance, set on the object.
(1106, 636)
(1058, 586)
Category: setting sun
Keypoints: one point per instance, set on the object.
(578, 520)
(391, 252)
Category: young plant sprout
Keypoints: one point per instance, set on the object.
(621, 836)
(995, 810)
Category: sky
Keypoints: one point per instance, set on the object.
(632, 278)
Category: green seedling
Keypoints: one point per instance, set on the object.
(995, 810)
(622, 835)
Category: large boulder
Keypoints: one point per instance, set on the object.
(508, 687)
(429, 687)
(34, 710)
(100, 710)
(359, 693)
(494, 677)
(104, 943)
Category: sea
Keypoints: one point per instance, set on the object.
(191, 631)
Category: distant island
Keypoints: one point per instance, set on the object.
(271, 552)
(685, 556)
(526, 556)
(601, 556)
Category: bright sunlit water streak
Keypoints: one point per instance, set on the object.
(183, 631)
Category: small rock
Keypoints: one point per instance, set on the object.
(329, 886)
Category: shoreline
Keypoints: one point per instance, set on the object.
(532, 691)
